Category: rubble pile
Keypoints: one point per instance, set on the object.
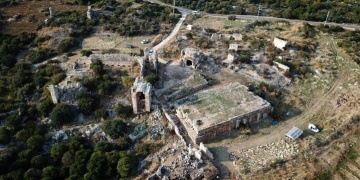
(139, 132)
(260, 156)
(178, 162)
(89, 131)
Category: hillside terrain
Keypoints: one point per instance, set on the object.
(73, 71)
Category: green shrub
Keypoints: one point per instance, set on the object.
(232, 18)
(86, 53)
(123, 111)
(87, 103)
(66, 44)
(114, 128)
(152, 78)
(61, 114)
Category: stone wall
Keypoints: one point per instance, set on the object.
(173, 125)
(233, 123)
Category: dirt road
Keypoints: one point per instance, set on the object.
(171, 35)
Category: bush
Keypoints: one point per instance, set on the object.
(58, 151)
(114, 128)
(40, 55)
(13, 122)
(123, 143)
(45, 107)
(66, 44)
(4, 135)
(101, 113)
(152, 78)
(203, 42)
(189, 35)
(77, 143)
(103, 147)
(61, 114)
(57, 78)
(87, 103)
(86, 53)
(123, 111)
(97, 67)
(36, 142)
(232, 18)
(127, 81)
(106, 87)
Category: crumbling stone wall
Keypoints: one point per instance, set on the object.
(206, 150)
(139, 89)
(190, 57)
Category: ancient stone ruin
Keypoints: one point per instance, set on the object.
(279, 43)
(150, 56)
(191, 57)
(141, 96)
(52, 14)
(89, 13)
(209, 113)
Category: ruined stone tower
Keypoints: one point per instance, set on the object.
(141, 96)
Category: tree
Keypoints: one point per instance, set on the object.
(81, 159)
(13, 122)
(50, 172)
(97, 67)
(58, 151)
(15, 175)
(125, 166)
(103, 146)
(77, 143)
(112, 159)
(114, 128)
(4, 135)
(67, 159)
(32, 174)
(97, 165)
(36, 142)
(45, 107)
(87, 103)
(38, 161)
(61, 114)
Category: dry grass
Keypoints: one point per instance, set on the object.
(33, 8)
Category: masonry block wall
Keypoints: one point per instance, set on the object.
(213, 131)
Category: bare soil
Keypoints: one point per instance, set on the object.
(33, 8)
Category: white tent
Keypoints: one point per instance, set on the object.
(294, 133)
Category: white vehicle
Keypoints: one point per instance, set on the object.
(313, 128)
(144, 41)
(195, 12)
